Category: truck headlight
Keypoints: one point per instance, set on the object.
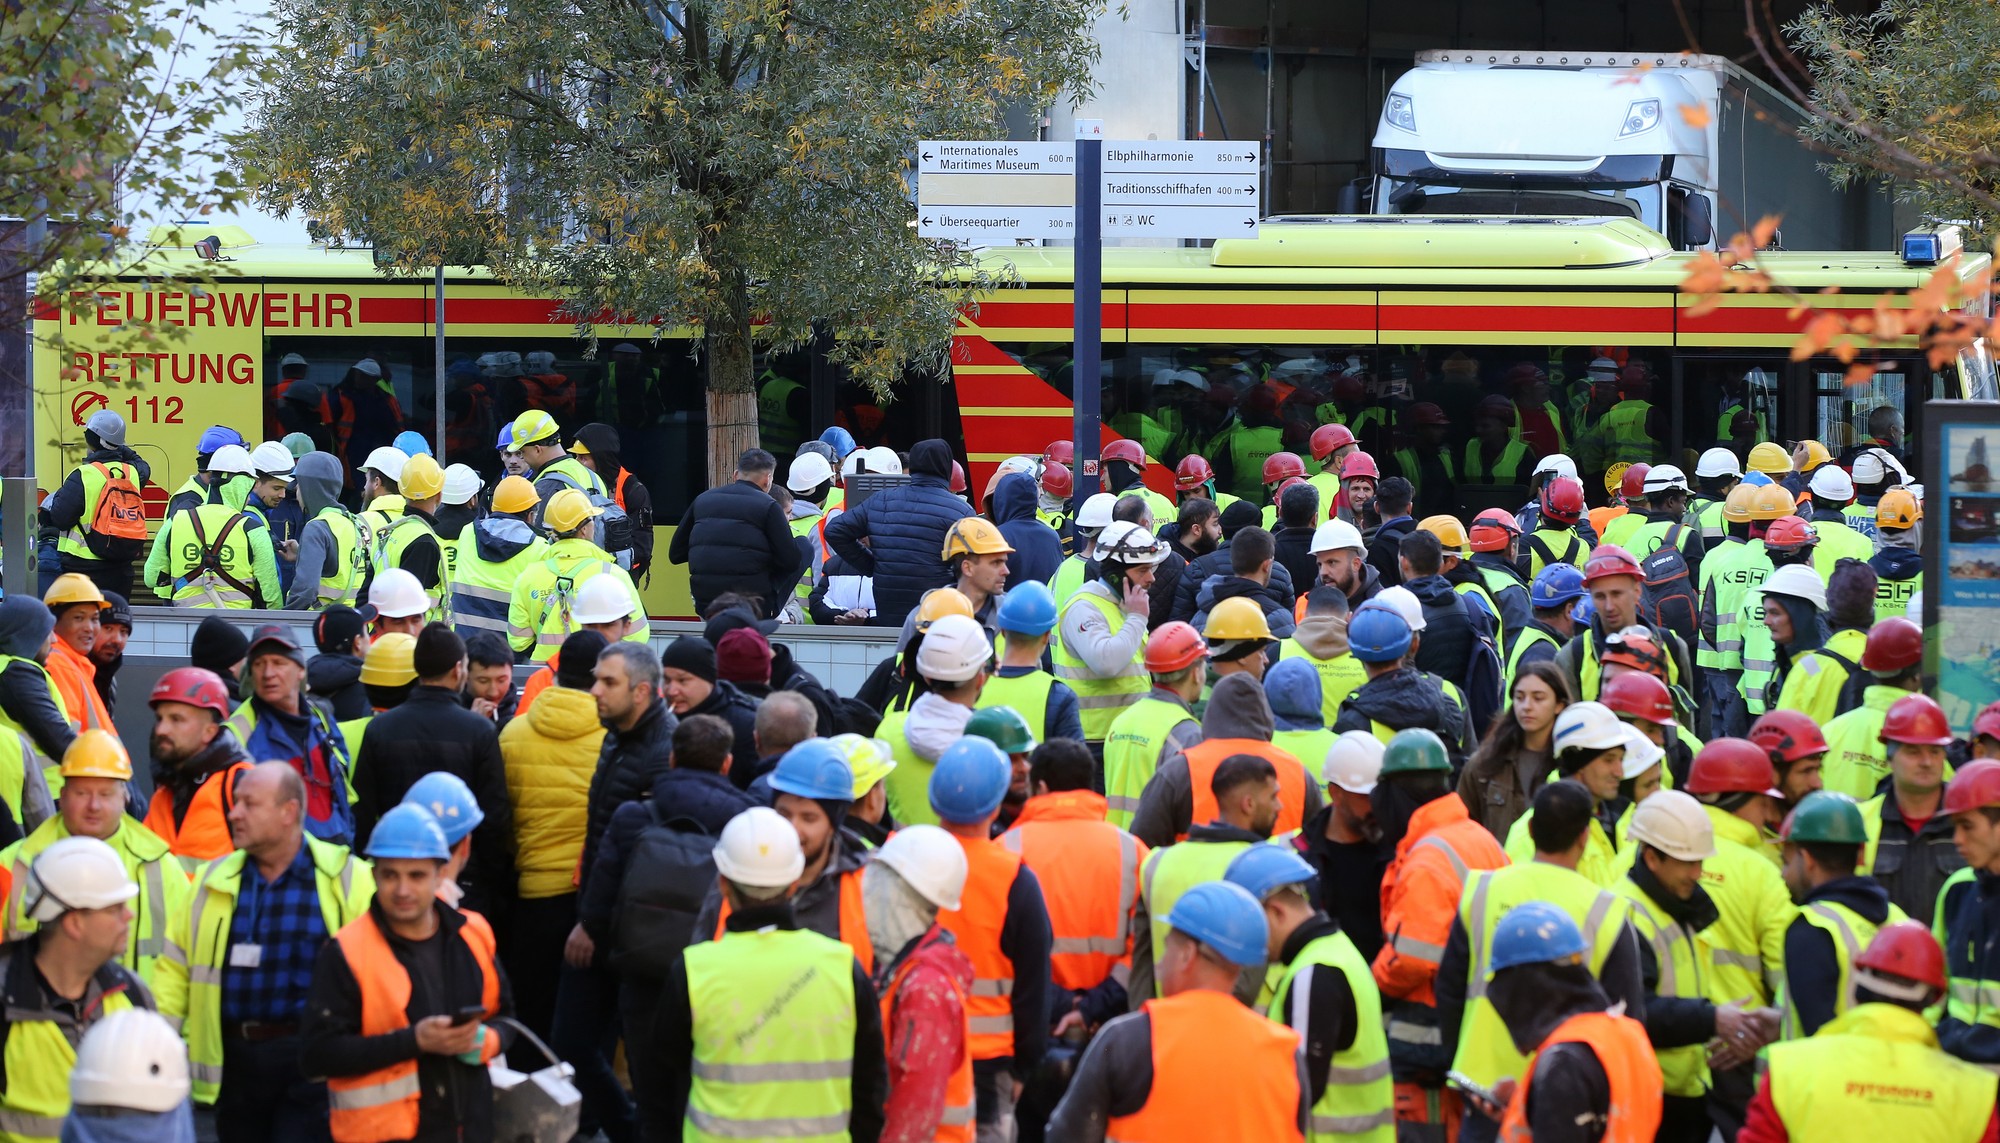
(1641, 117)
(1400, 111)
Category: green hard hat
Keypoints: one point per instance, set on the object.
(1825, 816)
(1415, 751)
(1004, 727)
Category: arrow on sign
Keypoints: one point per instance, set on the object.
(1250, 222)
(927, 156)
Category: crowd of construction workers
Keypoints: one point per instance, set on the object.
(1171, 817)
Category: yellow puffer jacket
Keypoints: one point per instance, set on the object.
(551, 752)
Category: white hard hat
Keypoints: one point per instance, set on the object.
(1869, 467)
(955, 649)
(759, 848)
(1096, 511)
(1556, 464)
(602, 599)
(461, 484)
(1641, 754)
(232, 459)
(1353, 762)
(1799, 581)
(1832, 482)
(1718, 461)
(76, 873)
(272, 459)
(1914, 609)
(1188, 377)
(1405, 603)
(1015, 464)
(1916, 490)
(809, 471)
(1664, 478)
(882, 458)
(1335, 535)
(388, 461)
(1602, 367)
(1675, 824)
(396, 594)
(131, 1059)
(1590, 725)
(1129, 543)
(929, 860)
(854, 462)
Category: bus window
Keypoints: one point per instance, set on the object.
(1850, 415)
(1975, 373)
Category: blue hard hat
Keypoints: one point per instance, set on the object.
(1535, 932)
(1756, 479)
(970, 780)
(1293, 689)
(449, 800)
(1557, 584)
(1262, 868)
(506, 441)
(841, 440)
(815, 768)
(411, 443)
(1378, 635)
(216, 436)
(1584, 611)
(1029, 609)
(408, 831)
(1225, 917)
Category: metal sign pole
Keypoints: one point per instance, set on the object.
(1086, 373)
(438, 292)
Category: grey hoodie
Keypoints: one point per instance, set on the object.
(319, 478)
(1236, 709)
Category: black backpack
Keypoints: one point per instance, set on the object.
(670, 872)
(1857, 682)
(1668, 599)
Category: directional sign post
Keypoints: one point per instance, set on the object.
(1087, 390)
(995, 191)
(1194, 189)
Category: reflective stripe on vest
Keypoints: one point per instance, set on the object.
(1091, 924)
(1205, 1043)
(397, 540)
(1850, 932)
(1132, 751)
(853, 920)
(198, 535)
(1028, 694)
(350, 558)
(1359, 1101)
(481, 590)
(1621, 1048)
(976, 924)
(1876, 1073)
(1171, 872)
(1101, 699)
(40, 1053)
(1685, 965)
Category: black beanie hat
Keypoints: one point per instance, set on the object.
(693, 654)
(576, 663)
(218, 645)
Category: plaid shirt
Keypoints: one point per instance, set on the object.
(282, 917)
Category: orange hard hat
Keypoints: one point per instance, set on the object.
(1175, 646)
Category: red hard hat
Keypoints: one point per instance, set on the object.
(1524, 374)
(1127, 450)
(1788, 735)
(1328, 439)
(1359, 464)
(1608, 560)
(1640, 695)
(1895, 645)
(1987, 722)
(1562, 500)
(1062, 452)
(1057, 481)
(1174, 646)
(1284, 484)
(1633, 483)
(1492, 529)
(1976, 784)
(1790, 532)
(957, 477)
(1425, 413)
(1732, 766)
(195, 686)
(1633, 379)
(1279, 465)
(1192, 472)
(1906, 950)
(1916, 720)
(1494, 406)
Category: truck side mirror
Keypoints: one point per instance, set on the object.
(1690, 219)
(1349, 199)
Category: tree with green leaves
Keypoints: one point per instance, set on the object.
(740, 165)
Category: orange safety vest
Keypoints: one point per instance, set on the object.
(960, 1101)
(853, 921)
(74, 675)
(618, 487)
(380, 1106)
(976, 924)
(1600, 518)
(1204, 758)
(1628, 1061)
(1205, 1044)
(1064, 838)
(204, 831)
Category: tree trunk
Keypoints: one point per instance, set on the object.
(732, 394)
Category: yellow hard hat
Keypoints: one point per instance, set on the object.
(1235, 618)
(870, 759)
(578, 448)
(940, 602)
(1810, 455)
(974, 536)
(1898, 508)
(1450, 532)
(1771, 502)
(1769, 459)
(422, 478)
(533, 427)
(567, 510)
(391, 661)
(72, 587)
(515, 494)
(1614, 477)
(97, 753)
(1737, 506)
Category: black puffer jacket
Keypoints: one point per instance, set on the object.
(708, 800)
(736, 538)
(25, 694)
(1215, 563)
(905, 528)
(1274, 602)
(628, 765)
(739, 710)
(1450, 626)
(1406, 698)
(337, 679)
(1294, 554)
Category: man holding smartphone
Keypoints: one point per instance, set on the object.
(401, 999)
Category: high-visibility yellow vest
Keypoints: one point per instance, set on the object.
(908, 786)
(1523, 643)
(1725, 653)
(1065, 583)
(20, 790)
(1360, 1099)
(777, 428)
(1814, 685)
(390, 546)
(1028, 694)
(1756, 909)
(39, 1054)
(94, 476)
(1686, 963)
(350, 558)
(1171, 872)
(540, 612)
(1876, 1073)
(1837, 541)
(1892, 596)
(376, 518)
(1851, 933)
(752, 1076)
(1624, 436)
(1562, 546)
(1511, 468)
(1856, 759)
(1099, 697)
(206, 543)
(1162, 508)
(1709, 520)
(1622, 528)
(1601, 863)
(1651, 536)
(1339, 677)
(1485, 1051)
(1308, 746)
(1132, 749)
(481, 590)
(163, 890)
